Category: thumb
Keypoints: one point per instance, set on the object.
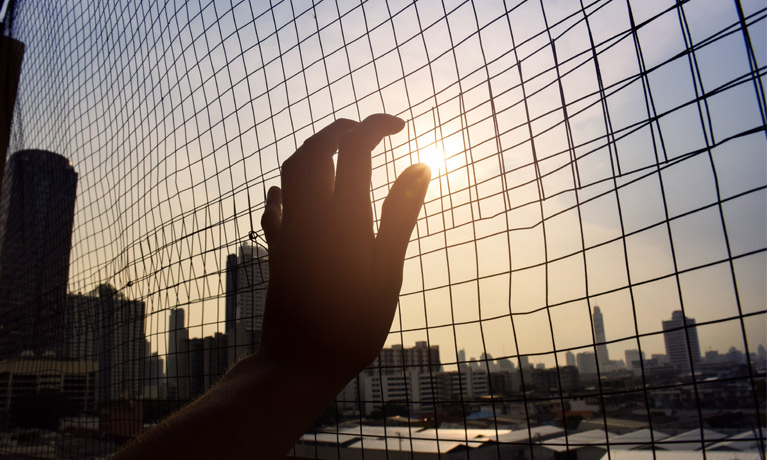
(398, 217)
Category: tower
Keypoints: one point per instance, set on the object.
(599, 337)
(122, 352)
(231, 295)
(676, 333)
(36, 217)
(178, 356)
(247, 278)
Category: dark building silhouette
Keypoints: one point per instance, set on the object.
(36, 218)
(178, 359)
(231, 295)
(108, 328)
(247, 277)
(599, 337)
(196, 357)
(215, 358)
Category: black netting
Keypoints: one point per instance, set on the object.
(587, 276)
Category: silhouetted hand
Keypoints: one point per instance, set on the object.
(333, 291)
(333, 284)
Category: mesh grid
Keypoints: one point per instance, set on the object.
(604, 154)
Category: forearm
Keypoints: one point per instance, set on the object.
(258, 410)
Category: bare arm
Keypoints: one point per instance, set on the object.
(332, 295)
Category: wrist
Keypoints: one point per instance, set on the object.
(310, 381)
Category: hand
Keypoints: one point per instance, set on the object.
(333, 290)
(334, 284)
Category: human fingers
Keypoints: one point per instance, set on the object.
(398, 217)
(307, 176)
(352, 188)
(271, 219)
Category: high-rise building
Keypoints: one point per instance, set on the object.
(677, 333)
(599, 337)
(178, 356)
(36, 216)
(215, 349)
(587, 363)
(120, 346)
(230, 306)
(79, 327)
(154, 376)
(570, 358)
(196, 376)
(246, 282)
(107, 328)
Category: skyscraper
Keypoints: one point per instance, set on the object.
(106, 327)
(178, 356)
(246, 282)
(570, 358)
(36, 216)
(231, 295)
(599, 337)
(587, 363)
(676, 333)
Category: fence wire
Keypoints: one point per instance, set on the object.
(587, 276)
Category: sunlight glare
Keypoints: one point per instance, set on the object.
(434, 156)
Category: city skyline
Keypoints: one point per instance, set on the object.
(166, 267)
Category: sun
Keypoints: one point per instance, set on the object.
(434, 156)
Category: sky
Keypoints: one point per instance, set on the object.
(577, 163)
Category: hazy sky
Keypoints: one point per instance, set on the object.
(564, 182)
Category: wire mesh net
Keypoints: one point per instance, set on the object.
(587, 273)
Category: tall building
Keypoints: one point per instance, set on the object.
(215, 349)
(178, 356)
(570, 358)
(676, 333)
(247, 278)
(230, 306)
(599, 337)
(107, 328)
(79, 328)
(587, 363)
(154, 376)
(196, 376)
(36, 217)
(121, 345)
